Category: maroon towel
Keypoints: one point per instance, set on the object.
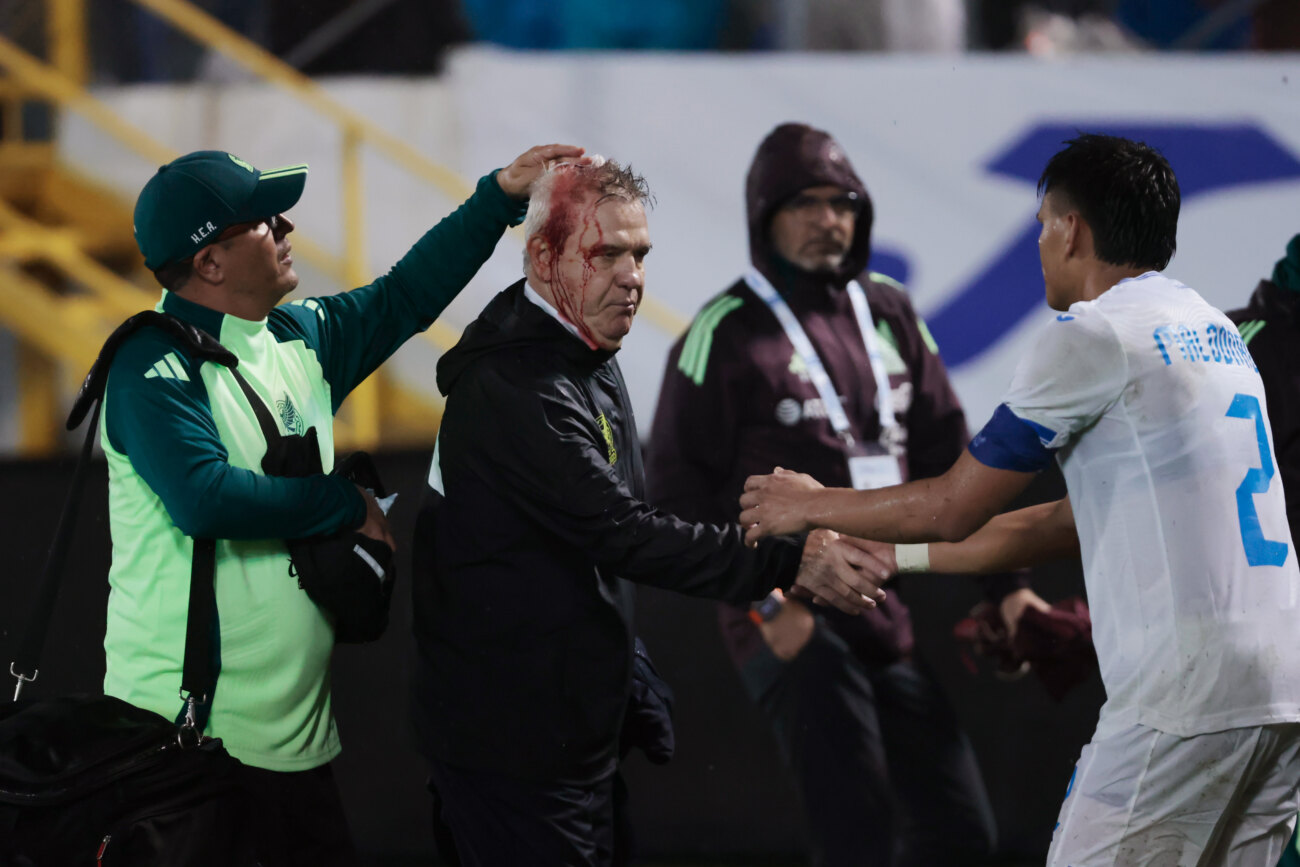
(1057, 644)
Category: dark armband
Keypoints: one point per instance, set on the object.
(1009, 442)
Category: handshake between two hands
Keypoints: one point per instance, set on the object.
(843, 571)
(836, 570)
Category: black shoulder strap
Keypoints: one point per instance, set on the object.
(199, 669)
(265, 420)
(199, 676)
(26, 662)
(197, 342)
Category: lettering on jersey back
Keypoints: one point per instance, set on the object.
(1200, 343)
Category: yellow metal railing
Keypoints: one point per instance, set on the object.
(61, 82)
(51, 325)
(11, 111)
(44, 80)
(24, 239)
(47, 327)
(209, 31)
(60, 327)
(66, 25)
(205, 29)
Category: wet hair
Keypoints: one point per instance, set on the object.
(602, 179)
(1125, 191)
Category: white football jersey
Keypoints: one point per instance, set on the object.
(1158, 413)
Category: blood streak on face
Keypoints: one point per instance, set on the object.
(572, 216)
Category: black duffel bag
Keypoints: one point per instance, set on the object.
(95, 780)
(348, 574)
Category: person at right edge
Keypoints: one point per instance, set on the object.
(1270, 327)
(872, 742)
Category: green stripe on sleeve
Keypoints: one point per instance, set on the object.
(701, 328)
(1249, 329)
(699, 363)
(685, 361)
(887, 334)
(887, 280)
(927, 336)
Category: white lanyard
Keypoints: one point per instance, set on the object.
(817, 371)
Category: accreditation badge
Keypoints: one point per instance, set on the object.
(874, 471)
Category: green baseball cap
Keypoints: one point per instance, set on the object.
(193, 198)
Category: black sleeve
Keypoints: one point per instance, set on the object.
(542, 443)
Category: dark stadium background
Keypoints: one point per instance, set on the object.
(722, 800)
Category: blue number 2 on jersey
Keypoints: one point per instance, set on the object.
(1259, 551)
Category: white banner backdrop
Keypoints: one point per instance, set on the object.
(950, 149)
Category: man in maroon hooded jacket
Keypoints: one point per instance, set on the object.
(874, 746)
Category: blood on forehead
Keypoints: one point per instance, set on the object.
(574, 201)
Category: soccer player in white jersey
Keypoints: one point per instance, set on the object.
(1148, 399)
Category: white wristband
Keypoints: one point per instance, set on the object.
(912, 558)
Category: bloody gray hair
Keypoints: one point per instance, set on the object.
(602, 178)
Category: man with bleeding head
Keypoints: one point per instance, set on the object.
(586, 250)
(534, 532)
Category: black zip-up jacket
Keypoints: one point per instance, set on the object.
(1270, 325)
(523, 606)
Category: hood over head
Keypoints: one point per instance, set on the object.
(794, 157)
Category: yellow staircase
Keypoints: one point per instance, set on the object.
(36, 186)
(59, 235)
(69, 267)
(69, 270)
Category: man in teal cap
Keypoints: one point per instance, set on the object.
(184, 452)
(1270, 326)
